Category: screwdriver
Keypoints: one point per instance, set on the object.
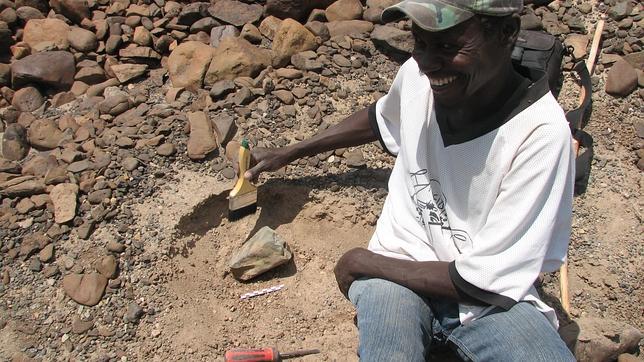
(263, 354)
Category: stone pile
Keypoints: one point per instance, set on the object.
(83, 126)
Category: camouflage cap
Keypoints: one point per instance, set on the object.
(437, 15)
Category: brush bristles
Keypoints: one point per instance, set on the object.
(240, 213)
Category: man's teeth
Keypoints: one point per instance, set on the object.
(441, 81)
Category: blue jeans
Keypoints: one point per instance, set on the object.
(396, 324)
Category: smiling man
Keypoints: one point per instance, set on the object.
(480, 196)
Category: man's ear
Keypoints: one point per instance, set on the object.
(510, 30)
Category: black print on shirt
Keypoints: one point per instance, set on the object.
(430, 208)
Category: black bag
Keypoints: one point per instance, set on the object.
(542, 52)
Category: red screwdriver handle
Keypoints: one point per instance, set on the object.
(252, 355)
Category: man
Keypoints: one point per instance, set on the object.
(480, 196)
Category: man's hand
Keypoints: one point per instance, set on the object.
(267, 159)
(351, 266)
(261, 159)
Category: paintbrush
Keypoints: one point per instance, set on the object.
(242, 200)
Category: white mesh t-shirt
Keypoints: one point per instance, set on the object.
(496, 201)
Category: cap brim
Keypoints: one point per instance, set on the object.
(431, 15)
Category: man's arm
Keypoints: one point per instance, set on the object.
(428, 278)
(354, 130)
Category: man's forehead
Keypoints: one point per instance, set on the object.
(453, 32)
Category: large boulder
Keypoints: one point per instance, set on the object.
(236, 57)
(344, 10)
(188, 63)
(82, 40)
(46, 30)
(291, 38)
(54, 69)
(236, 13)
(74, 10)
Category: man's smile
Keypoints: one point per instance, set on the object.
(440, 81)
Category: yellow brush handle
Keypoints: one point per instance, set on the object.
(243, 186)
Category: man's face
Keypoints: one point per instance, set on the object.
(461, 64)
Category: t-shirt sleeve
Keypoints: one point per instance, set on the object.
(384, 114)
(529, 224)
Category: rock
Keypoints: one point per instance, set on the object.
(625, 357)
(24, 206)
(15, 146)
(579, 43)
(98, 89)
(235, 12)
(130, 163)
(54, 69)
(355, 158)
(22, 186)
(74, 10)
(90, 75)
(44, 134)
(193, 12)
(39, 165)
(82, 40)
(166, 149)
(115, 104)
(86, 289)
(289, 73)
(126, 72)
(291, 38)
(262, 252)
(27, 99)
(531, 21)
(344, 10)
(113, 44)
(234, 58)
(134, 312)
(62, 98)
(620, 10)
(6, 38)
(596, 339)
(202, 139)
(80, 326)
(115, 247)
(285, 96)
(222, 88)
(41, 5)
(98, 196)
(319, 29)
(85, 230)
(5, 75)
(307, 61)
(26, 13)
(138, 52)
(635, 59)
(142, 36)
(218, 33)
(349, 27)
(205, 25)
(393, 39)
(188, 63)
(107, 266)
(47, 253)
(621, 79)
(341, 60)
(294, 9)
(269, 26)
(38, 31)
(251, 33)
(225, 128)
(64, 196)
